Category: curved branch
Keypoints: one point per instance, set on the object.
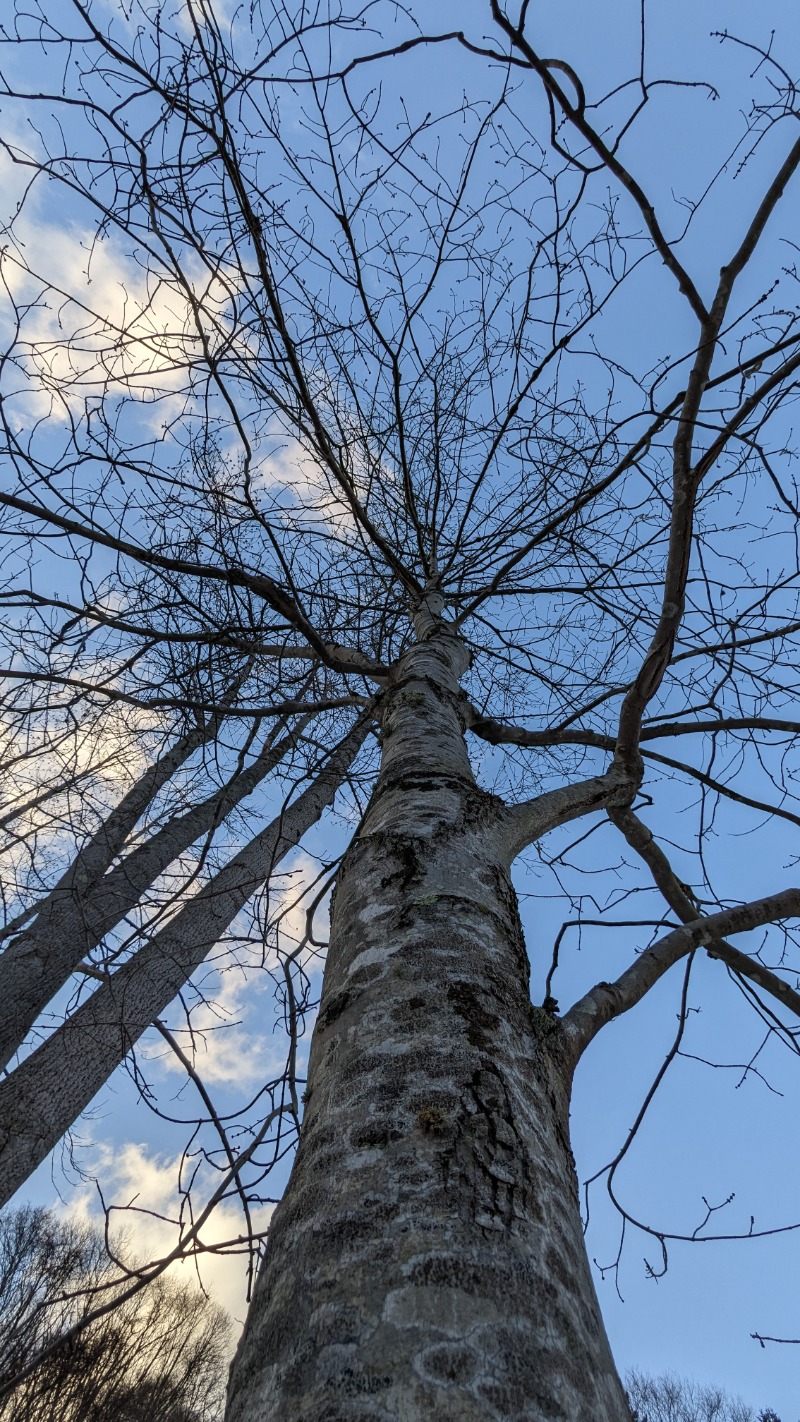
(605, 1001)
(641, 839)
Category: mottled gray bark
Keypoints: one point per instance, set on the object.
(427, 1259)
(42, 1098)
(90, 899)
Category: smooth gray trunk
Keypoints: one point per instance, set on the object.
(427, 1260)
(43, 1097)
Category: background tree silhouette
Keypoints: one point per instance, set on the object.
(673, 1399)
(160, 1354)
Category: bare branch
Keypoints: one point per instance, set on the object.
(640, 838)
(605, 1001)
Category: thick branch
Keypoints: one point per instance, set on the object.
(640, 838)
(525, 823)
(251, 712)
(686, 481)
(605, 1001)
(235, 577)
(499, 733)
(574, 113)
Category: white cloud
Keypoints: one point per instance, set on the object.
(226, 1051)
(142, 1191)
(95, 320)
(231, 1040)
(106, 753)
(291, 899)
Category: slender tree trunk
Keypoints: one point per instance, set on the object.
(427, 1260)
(38, 961)
(43, 1097)
(91, 898)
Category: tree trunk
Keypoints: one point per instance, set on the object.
(44, 1096)
(427, 1260)
(40, 959)
(91, 898)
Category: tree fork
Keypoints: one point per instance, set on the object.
(427, 1260)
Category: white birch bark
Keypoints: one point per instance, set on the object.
(42, 1098)
(427, 1260)
(90, 899)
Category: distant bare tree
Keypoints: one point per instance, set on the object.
(674, 1399)
(159, 1357)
